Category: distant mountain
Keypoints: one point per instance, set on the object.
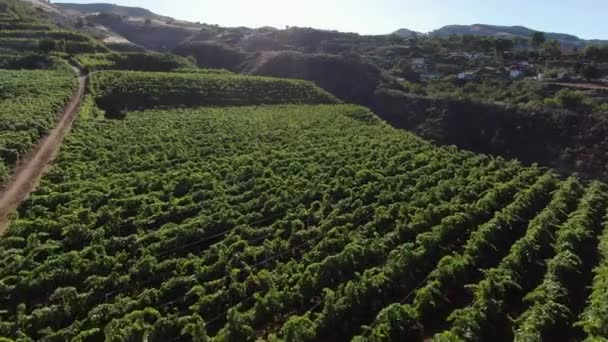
(494, 30)
(405, 33)
(122, 11)
(506, 31)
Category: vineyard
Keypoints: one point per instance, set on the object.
(30, 101)
(24, 29)
(193, 204)
(120, 91)
(133, 61)
(297, 223)
(44, 34)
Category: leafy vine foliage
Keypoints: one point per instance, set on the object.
(277, 214)
(30, 102)
(120, 91)
(283, 222)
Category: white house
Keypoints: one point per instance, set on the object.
(461, 54)
(518, 70)
(467, 76)
(516, 73)
(418, 63)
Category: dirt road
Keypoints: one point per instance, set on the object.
(30, 169)
(581, 85)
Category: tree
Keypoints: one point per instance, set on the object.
(485, 44)
(571, 99)
(591, 72)
(596, 53)
(592, 52)
(503, 45)
(537, 39)
(552, 49)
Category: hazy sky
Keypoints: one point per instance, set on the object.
(585, 18)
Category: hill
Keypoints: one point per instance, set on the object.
(122, 11)
(506, 31)
(406, 33)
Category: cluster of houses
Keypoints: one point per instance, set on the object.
(515, 71)
(419, 65)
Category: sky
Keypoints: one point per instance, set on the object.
(584, 18)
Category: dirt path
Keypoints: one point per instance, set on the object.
(30, 169)
(580, 85)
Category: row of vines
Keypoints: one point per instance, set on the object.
(142, 61)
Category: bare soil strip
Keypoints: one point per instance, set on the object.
(581, 85)
(30, 169)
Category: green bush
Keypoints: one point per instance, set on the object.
(571, 99)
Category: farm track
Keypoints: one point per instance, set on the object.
(30, 169)
(591, 86)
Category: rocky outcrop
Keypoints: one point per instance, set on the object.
(564, 140)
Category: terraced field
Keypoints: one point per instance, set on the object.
(119, 91)
(24, 29)
(132, 61)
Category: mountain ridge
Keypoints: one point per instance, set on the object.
(504, 31)
(477, 29)
(101, 7)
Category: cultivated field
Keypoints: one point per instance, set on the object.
(297, 222)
